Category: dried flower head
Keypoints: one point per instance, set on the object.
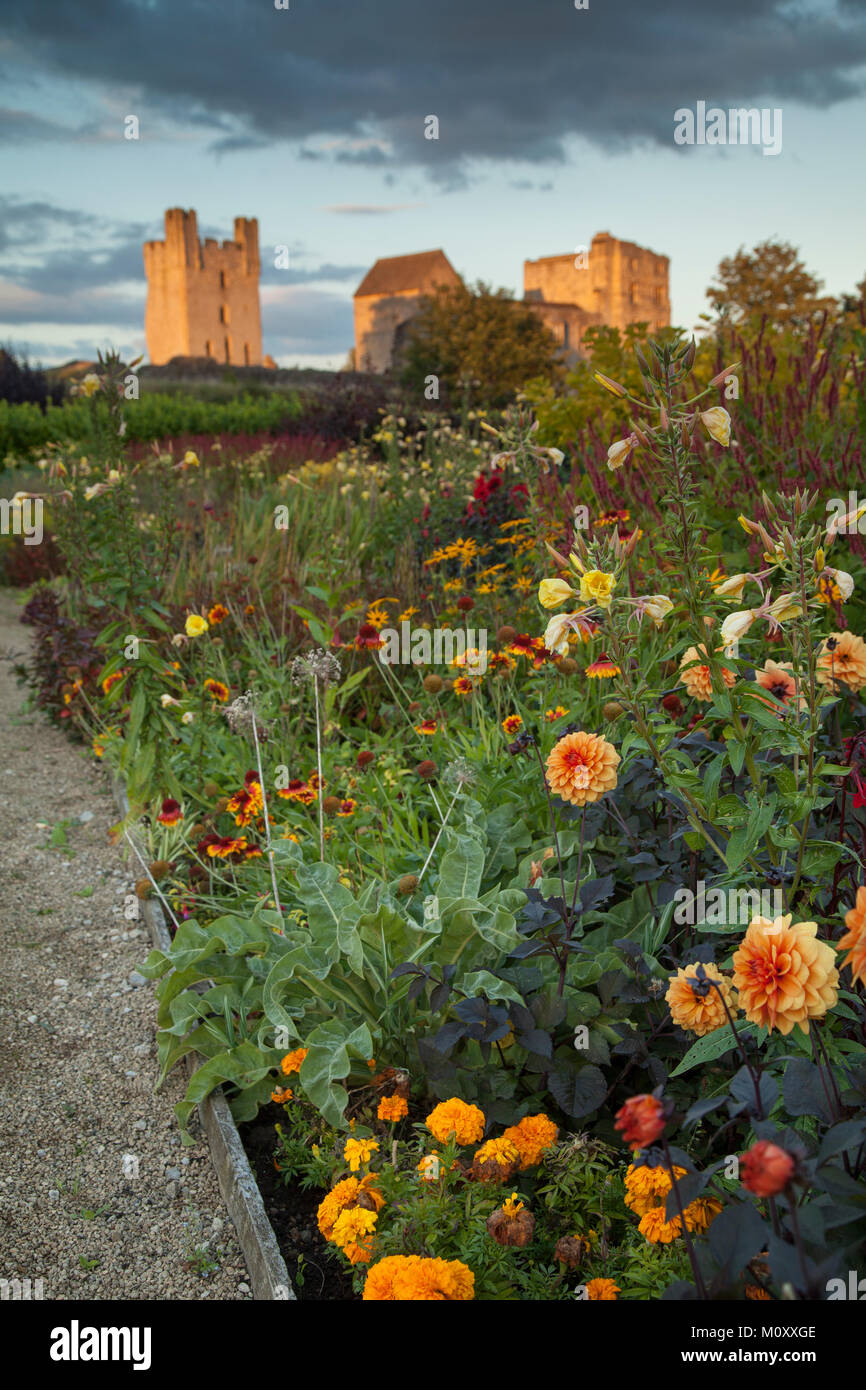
(317, 665)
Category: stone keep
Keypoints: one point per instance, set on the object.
(203, 299)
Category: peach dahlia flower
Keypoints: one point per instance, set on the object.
(696, 1006)
(698, 680)
(842, 661)
(854, 941)
(581, 767)
(784, 974)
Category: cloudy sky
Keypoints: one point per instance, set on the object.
(554, 123)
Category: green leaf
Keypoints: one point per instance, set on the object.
(461, 868)
(477, 982)
(710, 1047)
(330, 1049)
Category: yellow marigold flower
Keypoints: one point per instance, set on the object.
(784, 975)
(854, 940)
(717, 423)
(454, 1119)
(292, 1060)
(343, 1195)
(359, 1151)
(532, 1137)
(602, 1291)
(405, 1278)
(393, 1108)
(581, 767)
(553, 592)
(596, 586)
(513, 1206)
(701, 1213)
(195, 625)
(500, 1151)
(352, 1223)
(694, 1004)
(842, 661)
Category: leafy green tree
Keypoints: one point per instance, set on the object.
(481, 344)
(769, 283)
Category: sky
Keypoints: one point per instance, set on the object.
(554, 123)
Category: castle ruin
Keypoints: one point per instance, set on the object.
(612, 282)
(203, 298)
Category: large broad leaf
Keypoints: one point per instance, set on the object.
(804, 1091)
(243, 1066)
(331, 910)
(507, 832)
(330, 1049)
(709, 1047)
(461, 868)
(736, 1236)
(305, 976)
(578, 1093)
(482, 982)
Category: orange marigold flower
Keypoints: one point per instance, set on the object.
(783, 974)
(602, 1291)
(344, 1195)
(430, 1167)
(405, 1278)
(842, 661)
(657, 1229)
(282, 1094)
(701, 1213)
(292, 1060)
(765, 1169)
(217, 690)
(512, 723)
(695, 1005)
(217, 614)
(352, 1232)
(647, 1187)
(698, 681)
(641, 1120)
(393, 1108)
(854, 940)
(755, 1291)
(532, 1137)
(581, 767)
(454, 1119)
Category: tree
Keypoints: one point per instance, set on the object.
(481, 344)
(768, 282)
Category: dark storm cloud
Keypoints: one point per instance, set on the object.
(508, 79)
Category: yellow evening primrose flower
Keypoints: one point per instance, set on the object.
(191, 459)
(195, 625)
(553, 592)
(843, 581)
(621, 451)
(733, 587)
(785, 607)
(91, 384)
(597, 587)
(735, 626)
(657, 607)
(717, 423)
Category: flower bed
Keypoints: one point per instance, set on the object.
(550, 947)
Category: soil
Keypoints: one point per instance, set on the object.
(292, 1212)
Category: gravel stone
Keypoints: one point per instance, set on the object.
(88, 1182)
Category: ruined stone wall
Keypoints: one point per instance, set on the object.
(619, 284)
(377, 318)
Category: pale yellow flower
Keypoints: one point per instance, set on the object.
(553, 592)
(597, 587)
(717, 423)
(196, 625)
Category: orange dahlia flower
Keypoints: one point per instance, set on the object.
(454, 1119)
(842, 661)
(694, 1004)
(783, 974)
(641, 1121)
(854, 941)
(765, 1169)
(697, 680)
(581, 767)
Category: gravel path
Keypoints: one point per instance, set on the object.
(97, 1197)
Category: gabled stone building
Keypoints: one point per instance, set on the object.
(389, 296)
(613, 282)
(203, 298)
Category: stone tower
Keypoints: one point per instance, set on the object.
(203, 300)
